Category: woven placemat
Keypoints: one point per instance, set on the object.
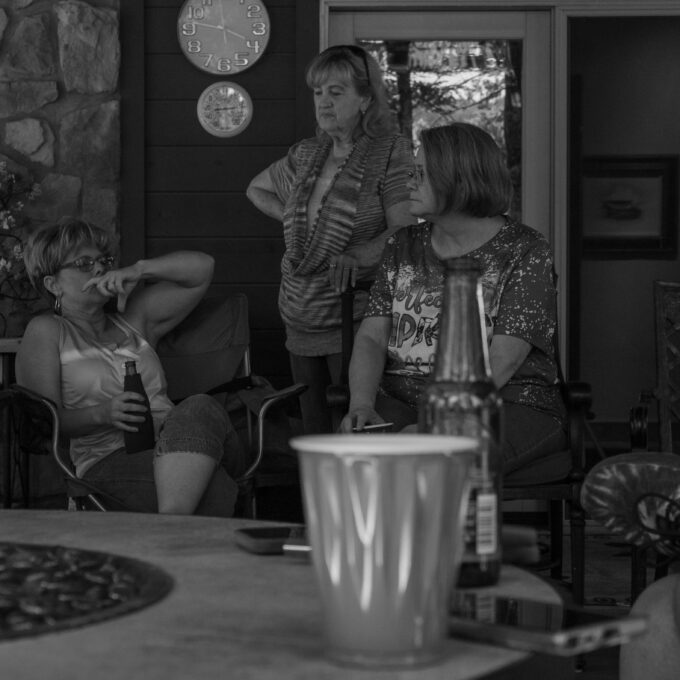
(46, 588)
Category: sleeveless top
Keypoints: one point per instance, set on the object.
(93, 372)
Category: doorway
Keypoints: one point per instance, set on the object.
(488, 68)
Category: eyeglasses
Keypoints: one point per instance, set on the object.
(86, 263)
(417, 174)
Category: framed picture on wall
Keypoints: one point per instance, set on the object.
(629, 207)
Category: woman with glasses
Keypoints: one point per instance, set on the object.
(338, 195)
(105, 315)
(461, 189)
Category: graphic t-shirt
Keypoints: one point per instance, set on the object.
(519, 300)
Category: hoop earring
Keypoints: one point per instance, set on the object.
(57, 305)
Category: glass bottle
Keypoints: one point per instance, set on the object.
(462, 399)
(144, 438)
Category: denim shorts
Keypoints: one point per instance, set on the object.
(199, 424)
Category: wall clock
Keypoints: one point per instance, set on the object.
(224, 109)
(223, 36)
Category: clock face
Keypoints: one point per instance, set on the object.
(224, 109)
(223, 37)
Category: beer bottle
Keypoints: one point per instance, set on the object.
(462, 399)
(144, 438)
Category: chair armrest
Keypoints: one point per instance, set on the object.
(638, 421)
(269, 401)
(578, 397)
(40, 410)
(578, 400)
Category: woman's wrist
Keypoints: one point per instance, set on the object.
(364, 403)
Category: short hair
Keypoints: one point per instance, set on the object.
(49, 247)
(359, 68)
(466, 170)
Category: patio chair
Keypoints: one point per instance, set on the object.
(666, 395)
(207, 353)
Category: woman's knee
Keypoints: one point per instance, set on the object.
(198, 424)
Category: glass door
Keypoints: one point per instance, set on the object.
(487, 68)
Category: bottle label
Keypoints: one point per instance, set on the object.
(485, 524)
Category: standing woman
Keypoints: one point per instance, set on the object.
(339, 196)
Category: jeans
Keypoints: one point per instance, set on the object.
(196, 425)
(317, 373)
(529, 434)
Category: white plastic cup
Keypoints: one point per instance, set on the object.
(384, 515)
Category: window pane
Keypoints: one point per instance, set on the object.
(435, 82)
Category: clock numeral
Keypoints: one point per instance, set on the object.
(259, 28)
(224, 64)
(193, 46)
(208, 60)
(195, 12)
(188, 29)
(254, 12)
(254, 45)
(207, 2)
(241, 58)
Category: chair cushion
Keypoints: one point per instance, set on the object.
(207, 348)
(552, 468)
(637, 495)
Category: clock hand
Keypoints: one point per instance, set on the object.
(196, 23)
(238, 35)
(224, 35)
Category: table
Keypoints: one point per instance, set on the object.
(231, 614)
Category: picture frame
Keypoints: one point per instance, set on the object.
(629, 207)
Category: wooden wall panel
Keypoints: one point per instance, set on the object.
(194, 193)
(206, 215)
(172, 77)
(206, 168)
(255, 260)
(174, 123)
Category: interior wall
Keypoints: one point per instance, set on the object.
(195, 183)
(630, 74)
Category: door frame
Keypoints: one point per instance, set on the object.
(561, 11)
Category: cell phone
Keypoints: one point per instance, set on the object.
(537, 626)
(377, 427)
(268, 540)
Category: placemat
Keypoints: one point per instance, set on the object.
(45, 588)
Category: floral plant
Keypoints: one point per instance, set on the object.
(15, 192)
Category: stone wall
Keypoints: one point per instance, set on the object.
(60, 105)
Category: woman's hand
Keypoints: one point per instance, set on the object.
(355, 263)
(116, 283)
(342, 271)
(121, 410)
(358, 418)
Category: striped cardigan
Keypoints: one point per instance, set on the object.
(373, 178)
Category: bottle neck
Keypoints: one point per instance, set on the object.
(130, 368)
(462, 354)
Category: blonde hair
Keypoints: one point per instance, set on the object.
(49, 247)
(358, 67)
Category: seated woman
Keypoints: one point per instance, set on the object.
(461, 187)
(76, 356)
